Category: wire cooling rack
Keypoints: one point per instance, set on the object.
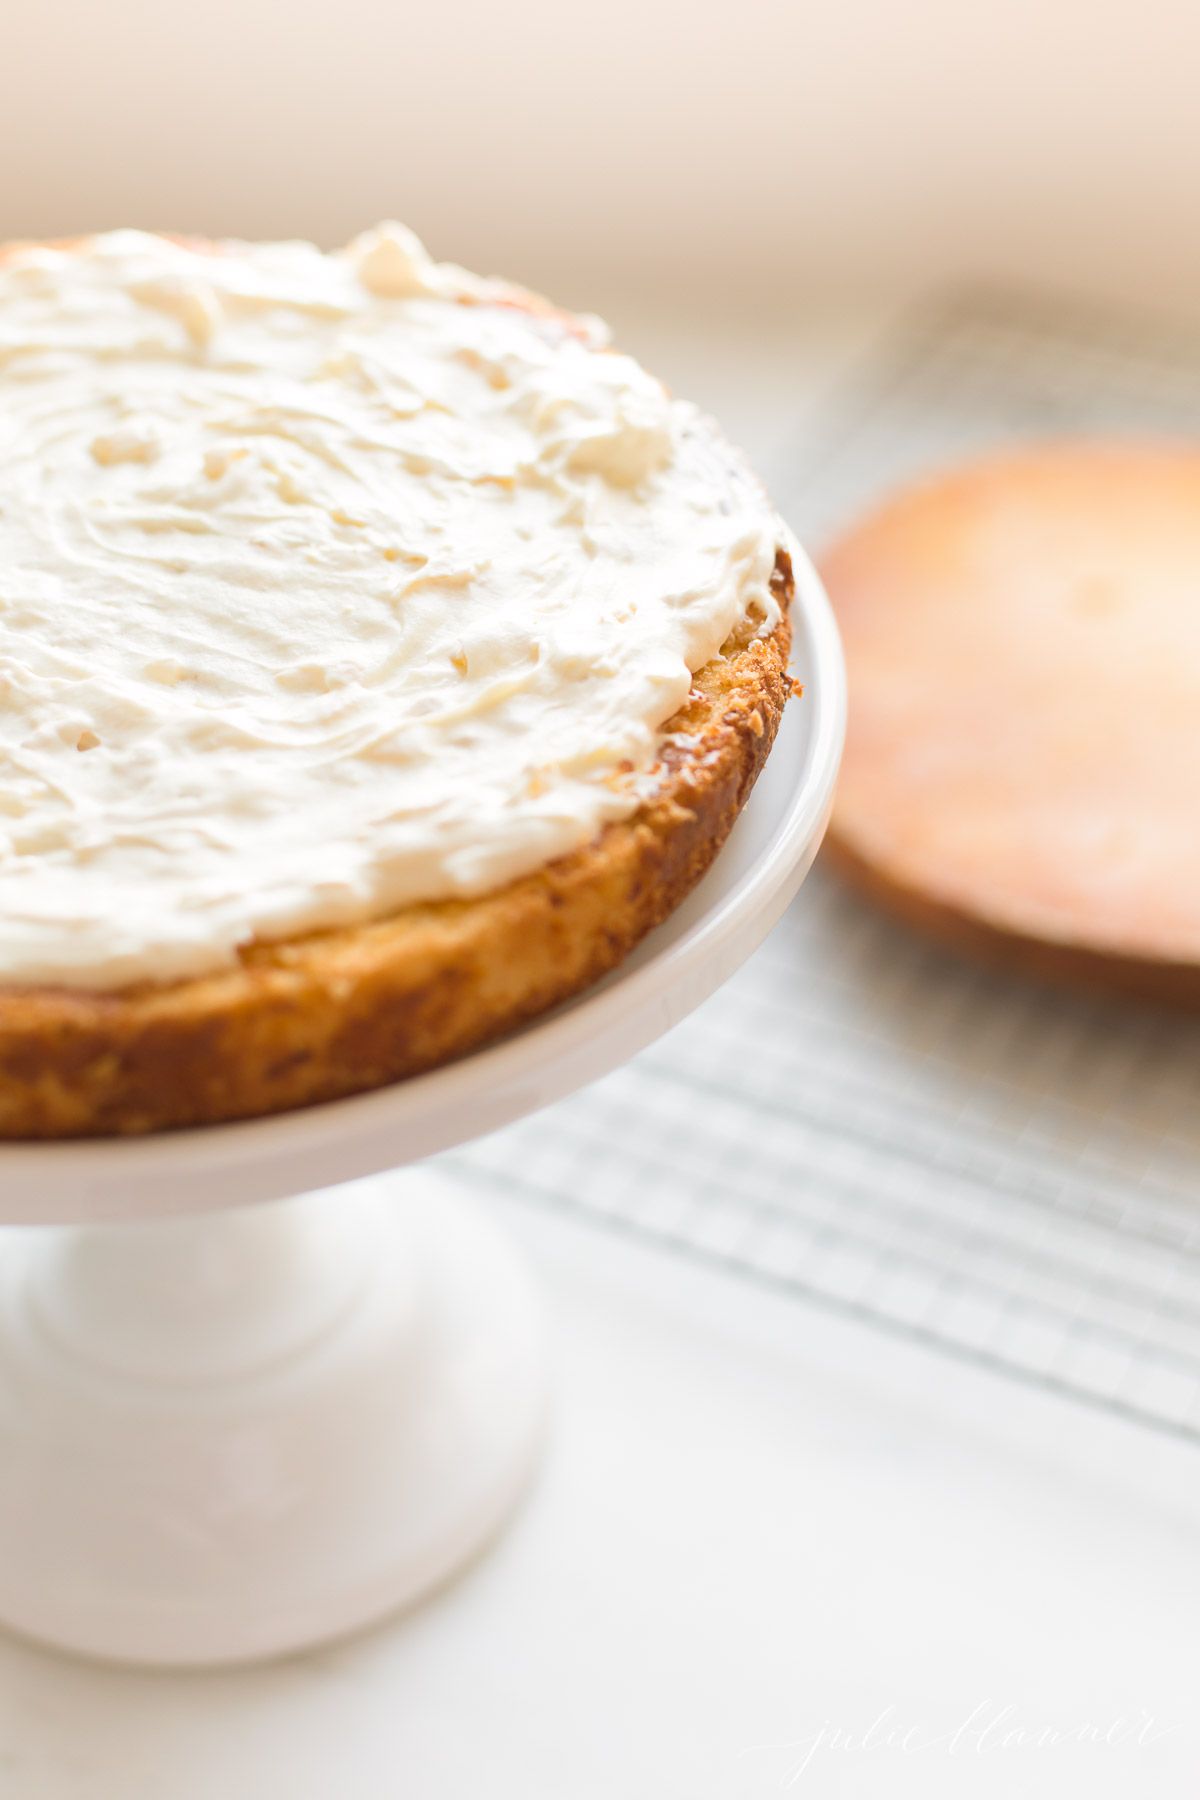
(1001, 1172)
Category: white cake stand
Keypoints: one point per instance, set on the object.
(226, 1431)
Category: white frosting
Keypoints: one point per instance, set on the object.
(327, 584)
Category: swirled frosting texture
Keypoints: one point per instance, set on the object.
(328, 583)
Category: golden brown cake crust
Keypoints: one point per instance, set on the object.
(338, 1012)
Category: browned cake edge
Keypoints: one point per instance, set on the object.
(1059, 962)
(338, 1012)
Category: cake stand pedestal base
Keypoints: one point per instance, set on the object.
(236, 1435)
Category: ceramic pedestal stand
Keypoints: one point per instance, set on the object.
(229, 1431)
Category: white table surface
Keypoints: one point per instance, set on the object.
(769, 1550)
(754, 1525)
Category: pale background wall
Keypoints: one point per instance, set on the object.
(687, 145)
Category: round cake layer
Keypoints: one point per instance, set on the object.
(330, 585)
(1023, 650)
(336, 1012)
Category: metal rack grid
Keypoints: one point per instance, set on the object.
(1009, 1175)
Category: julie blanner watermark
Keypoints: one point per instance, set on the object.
(990, 1728)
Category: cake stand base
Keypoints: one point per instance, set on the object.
(233, 1436)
